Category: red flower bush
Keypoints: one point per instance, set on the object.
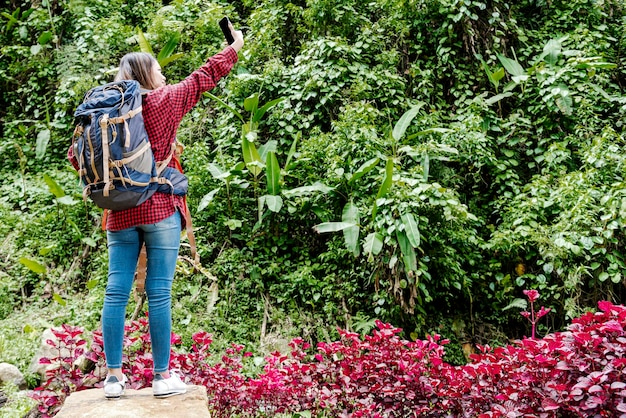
(66, 377)
(576, 373)
(534, 316)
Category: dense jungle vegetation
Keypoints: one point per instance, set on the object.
(420, 162)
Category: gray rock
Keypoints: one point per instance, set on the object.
(11, 374)
(136, 404)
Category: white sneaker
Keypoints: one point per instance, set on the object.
(162, 388)
(113, 388)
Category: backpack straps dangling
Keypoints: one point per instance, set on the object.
(140, 272)
(191, 237)
(177, 150)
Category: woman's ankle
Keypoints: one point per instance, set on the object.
(164, 375)
(117, 373)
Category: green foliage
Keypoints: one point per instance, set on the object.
(19, 404)
(572, 223)
(278, 30)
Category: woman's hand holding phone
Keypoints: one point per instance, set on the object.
(233, 37)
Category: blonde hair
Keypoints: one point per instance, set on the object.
(138, 66)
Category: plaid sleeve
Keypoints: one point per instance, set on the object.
(183, 96)
(165, 107)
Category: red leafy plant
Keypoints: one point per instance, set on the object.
(576, 373)
(534, 316)
(65, 376)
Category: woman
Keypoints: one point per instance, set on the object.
(156, 223)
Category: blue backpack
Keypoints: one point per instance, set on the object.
(110, 143)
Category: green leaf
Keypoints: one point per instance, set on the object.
(46, 250)
(520, 78)
(217, 172)
(497, 98)
(32, 265)
(292, 149)
(447, 148)
(498, 75)
(251, 157)
(512, 66)
(226, 105)
(490, 76)
(597, 64)
(11, 18)
(144, 45)
(518, 303)
(45, 38)
(165, 61)
(274, 203)
(431, 131)
(385, 185)
(551, 51)
(169, 48)
(269, 146)
(53, 186)
(365, 168)
(233, 224)
(351, 235)
(587, 243)
(405, 120)
(411, 229)
(258, 115)
(251, 103)
(58, 299)
(67, 200)
(207, 199)
(373, 244)
(426, 165)
(273, 174)
(305, 190)
(43, 138)
(89, 241)
(408, 252)
(91, 284)
(387, 180)
(564, 103)
(326, 227)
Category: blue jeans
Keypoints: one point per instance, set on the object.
(162, 241)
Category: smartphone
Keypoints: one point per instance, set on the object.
(226, 30)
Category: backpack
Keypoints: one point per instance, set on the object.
(115, 160)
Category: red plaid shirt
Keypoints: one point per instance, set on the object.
(163, 110)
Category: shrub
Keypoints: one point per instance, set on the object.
(574, 373)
